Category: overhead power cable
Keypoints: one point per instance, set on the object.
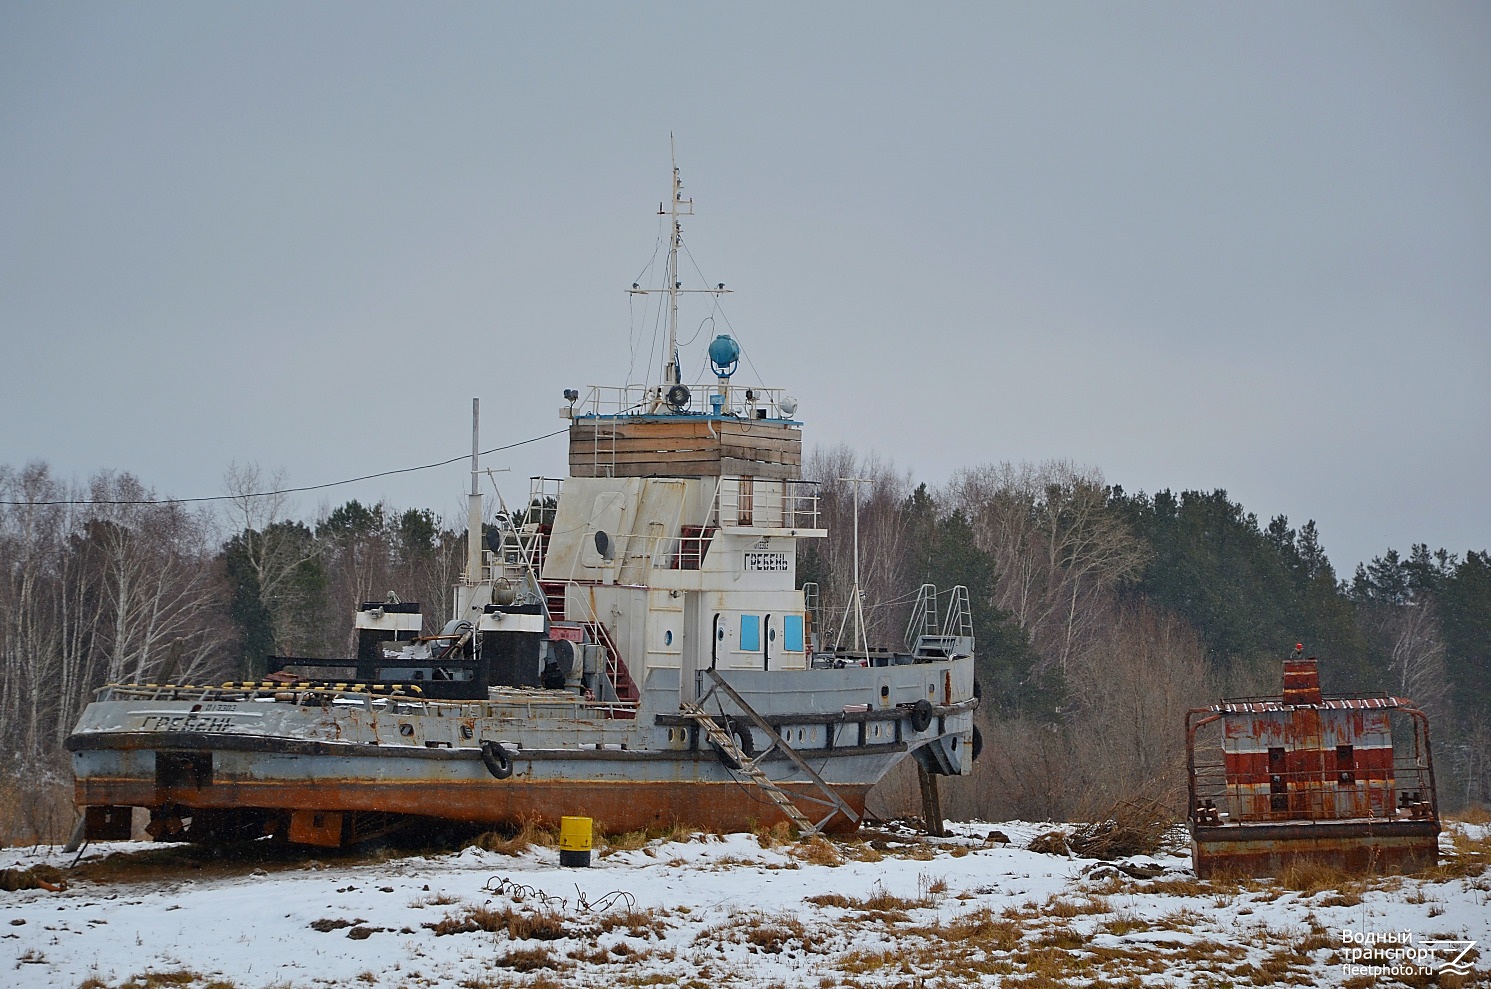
(285, 491)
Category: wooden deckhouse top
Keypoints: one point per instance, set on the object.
(684, 446)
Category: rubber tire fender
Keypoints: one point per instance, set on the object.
(497, 759)
(921, 715)
(978, 743)
(743, 741)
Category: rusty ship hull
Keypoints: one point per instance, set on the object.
(320, 765)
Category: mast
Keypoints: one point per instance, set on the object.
(473, 501)
(676, 207)
(856, 600)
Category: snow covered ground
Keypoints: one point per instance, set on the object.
(711, 911)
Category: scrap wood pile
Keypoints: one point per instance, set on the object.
(1129, 827)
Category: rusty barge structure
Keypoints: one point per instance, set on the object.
(1341, 781)
(631, 646)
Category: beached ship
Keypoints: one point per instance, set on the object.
(1302, 778)
(632, 645)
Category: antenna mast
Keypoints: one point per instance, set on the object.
(473, 501)
(856, 600)
(676, 207)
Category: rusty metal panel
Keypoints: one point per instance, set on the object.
(316, 827)
(1301, 681)
(1407, 846)
(1316, 781)
(107, 823)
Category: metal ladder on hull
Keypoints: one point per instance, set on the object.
(750, 765)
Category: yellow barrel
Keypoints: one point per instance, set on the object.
(574, 841)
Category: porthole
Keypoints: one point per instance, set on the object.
(884, 690)
(931, 689)
(668, 637)
(406, 729)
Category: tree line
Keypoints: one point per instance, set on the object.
(1101, 616)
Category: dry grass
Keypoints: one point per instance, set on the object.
(762, 933)
(1037, 945)
(817, 850)
(531, 960)
(1474, 814)
(1469, 859)
(441, 899)
(162, 980)
(638, 923)
(681, 832)
(981, 929)
(516, 842)
(1182, 887)
(629, 841)
(1123, 923)
(860, 851)
(880, 905)
(1310, 878)
(541, 925)
(1056, 906)
(780, 833)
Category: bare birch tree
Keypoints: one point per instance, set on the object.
(1057, 550)
(884, 585)
(274, 549)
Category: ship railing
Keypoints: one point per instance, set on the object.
(300, 691)
(616, 682)
(705, 398)
(923, 617)
(543, 500)
(517, 555)
(767, 503)
(404, 698)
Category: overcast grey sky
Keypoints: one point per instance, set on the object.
(1194, 245)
